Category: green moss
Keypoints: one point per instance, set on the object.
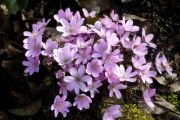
(173, 99)
(132, 112)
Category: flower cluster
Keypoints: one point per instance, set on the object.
(89, 54)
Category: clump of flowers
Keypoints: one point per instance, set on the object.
(88, 55)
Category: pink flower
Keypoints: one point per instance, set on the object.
(139, 48)
(100, 48)
(63, 88)
(32, 65)
(77, 79)
(147, 97)
(114, 16)
(128, 26)
(93, 88)
(67, 14)
(61, 58)
(82, 101)
(115, 89)
(112, 112)
(148, 38)
(59, 74)
(145, 73)
(70, 28)
(84, 55)
(162, 64)
(108, 23)
(94, 67)
(112, 40)
(112, 78)
(60, 105)
(49, 47)
(126, 42)
(125, 75)
(138, 61)
(92, 14)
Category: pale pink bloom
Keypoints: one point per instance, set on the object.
(162, 64)
(49, 46)
(112, 40)
(148, 38)
(115, 89)
(70, 28)
(60, 105)
(125, 75)
(147, 97)
(64, 55)
(63, 88)
(67, 14)
(138, 61)
(82, 101)
(32, 65)
(111, 77)
(125, 41)
(59, 74)
(114, 16)
(87, 14)
(108, 23)
(128, 25)
(94, 67)
(100, 48)
(112, 112)
(145, 73)
(139, 48)
(77, 79)
(84, 55)
(93, 88)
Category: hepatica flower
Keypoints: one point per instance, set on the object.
(110, 50)
(82, 101)
(112, 112)
(64, 55)
(94, 67)
(125, 75)
(77, 79)
(32, 65)
(49, 46)
(147, 97)
(162, 64)
(60, 105)
(115, 89)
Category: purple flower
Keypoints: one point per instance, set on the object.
(138, 61)
(64, 55)
(125, 75)
(147, 97)
(112, 40)
(148, 38)
(100, 48)
(108, 23)
(162, 64)
(77, 79)
(92, 14)
(59, 74)
(112, 58)
(33, 46)
(94, 67)
(60, 105)
(139, 48)
(128, 26)
(63, 88)
(114, 16)
(112, 78)
(70, 28)
(145, 73)
(49, 47)
(126, 42)
(112, 112)
(93, 88)
(84, 55)
(32, 65)
(82, 101)
(67, 14)
(115, 89)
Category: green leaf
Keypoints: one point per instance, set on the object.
(22, 4)
(12, 6)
